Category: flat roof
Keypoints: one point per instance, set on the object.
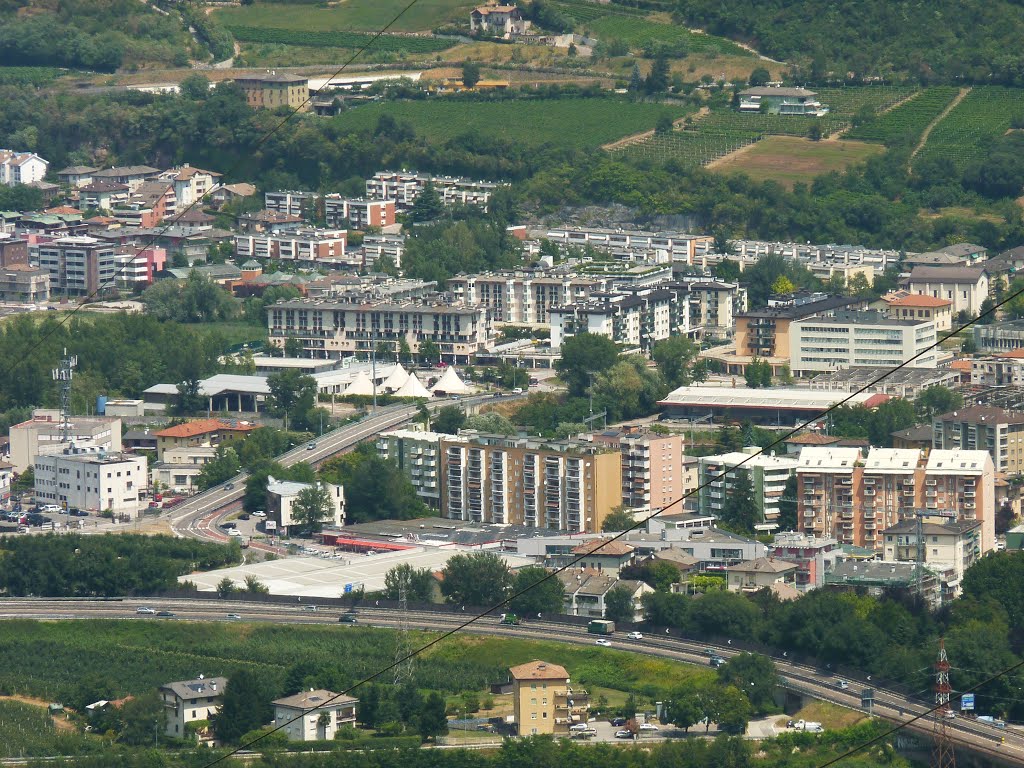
(742, 397)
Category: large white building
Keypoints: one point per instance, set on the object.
(418, 455)
(41, 435)
(21, 167)
(768, 476)
(282, 495)
(848, 339)
(92, 480)
(404, 187)
(677, 246)
(966, 287)
(635, 319)
(525, 296)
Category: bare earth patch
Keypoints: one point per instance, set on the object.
(789, 159)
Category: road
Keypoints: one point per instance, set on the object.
(889, 705)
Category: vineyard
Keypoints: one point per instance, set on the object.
(29, 75)
(636, 32)
(352, 15)
(908, 120)
(725, 131)
(28, 731)
(339, 39)
(964, 135)
(580, 10)
(577, 122)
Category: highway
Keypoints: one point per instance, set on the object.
(892, 706)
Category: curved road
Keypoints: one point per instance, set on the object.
(892, 706)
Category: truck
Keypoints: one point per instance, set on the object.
(601, 627)
(994, 721)
(510, 619)
(808, 725)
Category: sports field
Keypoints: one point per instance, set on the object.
(788, 159)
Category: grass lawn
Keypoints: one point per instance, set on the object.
(572, 122)
(962, 212)
(361, 15)
(788, 159)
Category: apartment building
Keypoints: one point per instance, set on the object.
(998, 432)
(965, 287)
(79, 266)
(767, 474)
(678, 246)
(93, 480)
(951, 543)
(190, 700)
(76, 175)
(524, 296)
(133, 176)
(814, 556)
(200, 433)
(304, 245)
(1000, 370)
(138, 268)
(418, 454)
(765, 333)
(190, 183)
(41, 435)
(867, 338)
(568, 485)
(544, 702)
(103, 195)
(713, 307)
(358, 213)
(377, 247)
(24, 284)
(842, 493)
(290, 202)
(653, 475)
(634, 318)
(13, 250)
(356, 324)
(272, 90)
(903, 305)
(404, 187)
(21, 167)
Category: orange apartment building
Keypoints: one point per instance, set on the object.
(652, 466)
(842, 493)
(358, 213)
(543, 701)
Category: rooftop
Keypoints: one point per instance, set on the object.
(763, 565)
(204, 427)
(538, 670)
(797, 311)
(949, 528)
(200, 688)
(315, 699)
(977, 414)
(733, 397)
(603, 548)
(957, 462)
(916, 300)
(947, 274)
(770, 91)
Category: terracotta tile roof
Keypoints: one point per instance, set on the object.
(538, 670)
(917, 300)
(602, 548)
(62, 209)
(202, 427)
(811, 438)
(1013, 354)
(961, 365)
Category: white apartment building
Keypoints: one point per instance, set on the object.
(290, 203)
(713, 307)
(190, 184)
(190, 700)
(79, 266)
(966, 287)
(41, 436)
(768, 476)
(281, 497)
(949, 543)
(678, 246)
(404, 187)
(359, 213)
(21, 167)
(418, 454)
(307, 245)
(92, 480)
(524, 296)
(636, 319)
(847, 339)
(314, 715)
(376, 247)
(338, 328)
(963, 482)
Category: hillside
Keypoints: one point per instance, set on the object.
(943, 40)
(100, 35)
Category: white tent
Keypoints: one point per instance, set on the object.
(361, 385)
(412, 388)
(396, 380)
(450, 383)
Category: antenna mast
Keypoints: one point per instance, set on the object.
(63, 374)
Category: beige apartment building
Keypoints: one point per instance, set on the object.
(943, 543)
(544, 701)
(272, 90)
(841, 493)
(652, 467)
(568, 485)
(981, 428)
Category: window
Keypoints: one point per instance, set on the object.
(533, 702)
(935, 539)
(533, 716)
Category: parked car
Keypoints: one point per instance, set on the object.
(635, 636)
(618, 722)
(578, 727)
(649, 727)
(259, 513)
(605, 643)
(244, 516)
(235, 532)
(623, 734)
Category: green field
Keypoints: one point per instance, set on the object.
(350, 15)
(964, 135)
(572, 122)
(29, 75)
(332, 39)
(909, 119)
(28, 731)
(788, 159)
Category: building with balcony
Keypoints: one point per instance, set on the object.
(404, 187)
(586, 593)
(762, 573)
(653, 475)
(767, 474)
(814, 557)
(358, 213)
(713, 307)
(189, 701)
(300, 245)
(774, 100)
(1002, 370)
(79, 266)
(943, 542)
(676, 246)
(543, 701)
(281, 498)
(903, 305)
(377, 247)
(568, 485)
(525, 296)
(314, 715)
(980, 428)
(291, 203)
(418, 454)
(41, 436)
(635, 318)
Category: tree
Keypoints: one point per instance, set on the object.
(246, 706)
(449, 420)
(222, 467)
(428, 204)
(727, 270)
(630, 388)
(312, 507)
(759, 77)
(658, 78)
(787, 519)
(432, 719)
(476, 579)
(418, 583)
(675, 356)
(583, 354)
(375, 488)
(537, 592)
(755, 675)
(684, 710)
(664, 124)
(758, 373)
(936, 400)
(255, 587)
(470, 73)
(636, 80)
(140, 717)
(429, 352)
(195, 87)
(859, 285)
(732, 709)
(226, 588)
(739, 512)
(292, 393)
(660, 575)
(782, 286)
(619, 519)
(618, 604)
(492, 423)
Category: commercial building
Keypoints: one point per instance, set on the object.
(782, 101)
(942, 542)
(314, 715)
(304, 245)
(767, 474)
(566, 485)
(93, 480)
(79, 266)
(848, 339)
(814, 557)
(418, 455)
(201, 433)
(965, 287)
(843, 494)
(358, 213)
(776, 406)
(979, 428)
(544, 702)
(281, 498)
(358, 324)
(41, 435)
(189, 701)
(272, 90)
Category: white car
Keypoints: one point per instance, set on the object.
(605, 643)
(147, 611)
(259, 513)
(649, 727)
(578, 727)
(235, 532)
(635, 636)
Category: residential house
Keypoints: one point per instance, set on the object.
(502, 21)
(281, 498)
(149, 204)
(943, 542)
(543, 701)
(586, 593)
(227, 193)
(604, 556)
(190, 184)
(21, 167)
(93, 480)
(103, 195)
(916, 438)
(762, 573)
(774, 100)
(903, 305)
(180, 469)
(131, 175)
(314, 715)
(76, 175)
(966, 287)
(878, 578)
(271, 91)
(201, 432)
(191, 701)
(814, 556)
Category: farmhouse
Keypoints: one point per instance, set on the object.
(782, 101)
(497, 21)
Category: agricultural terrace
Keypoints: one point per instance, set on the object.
(788, 159)
(351, 15)
(29, 75)
(963, 135)
(576, 122)
(29, 731)
(131, 657)
(329, 39)
(908, 120)
(706, 139)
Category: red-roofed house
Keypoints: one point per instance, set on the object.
(913, 306)
(543, 701)
(202, 432)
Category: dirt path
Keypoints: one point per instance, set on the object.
(635, 138)
(61, 723)
(927, 131)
